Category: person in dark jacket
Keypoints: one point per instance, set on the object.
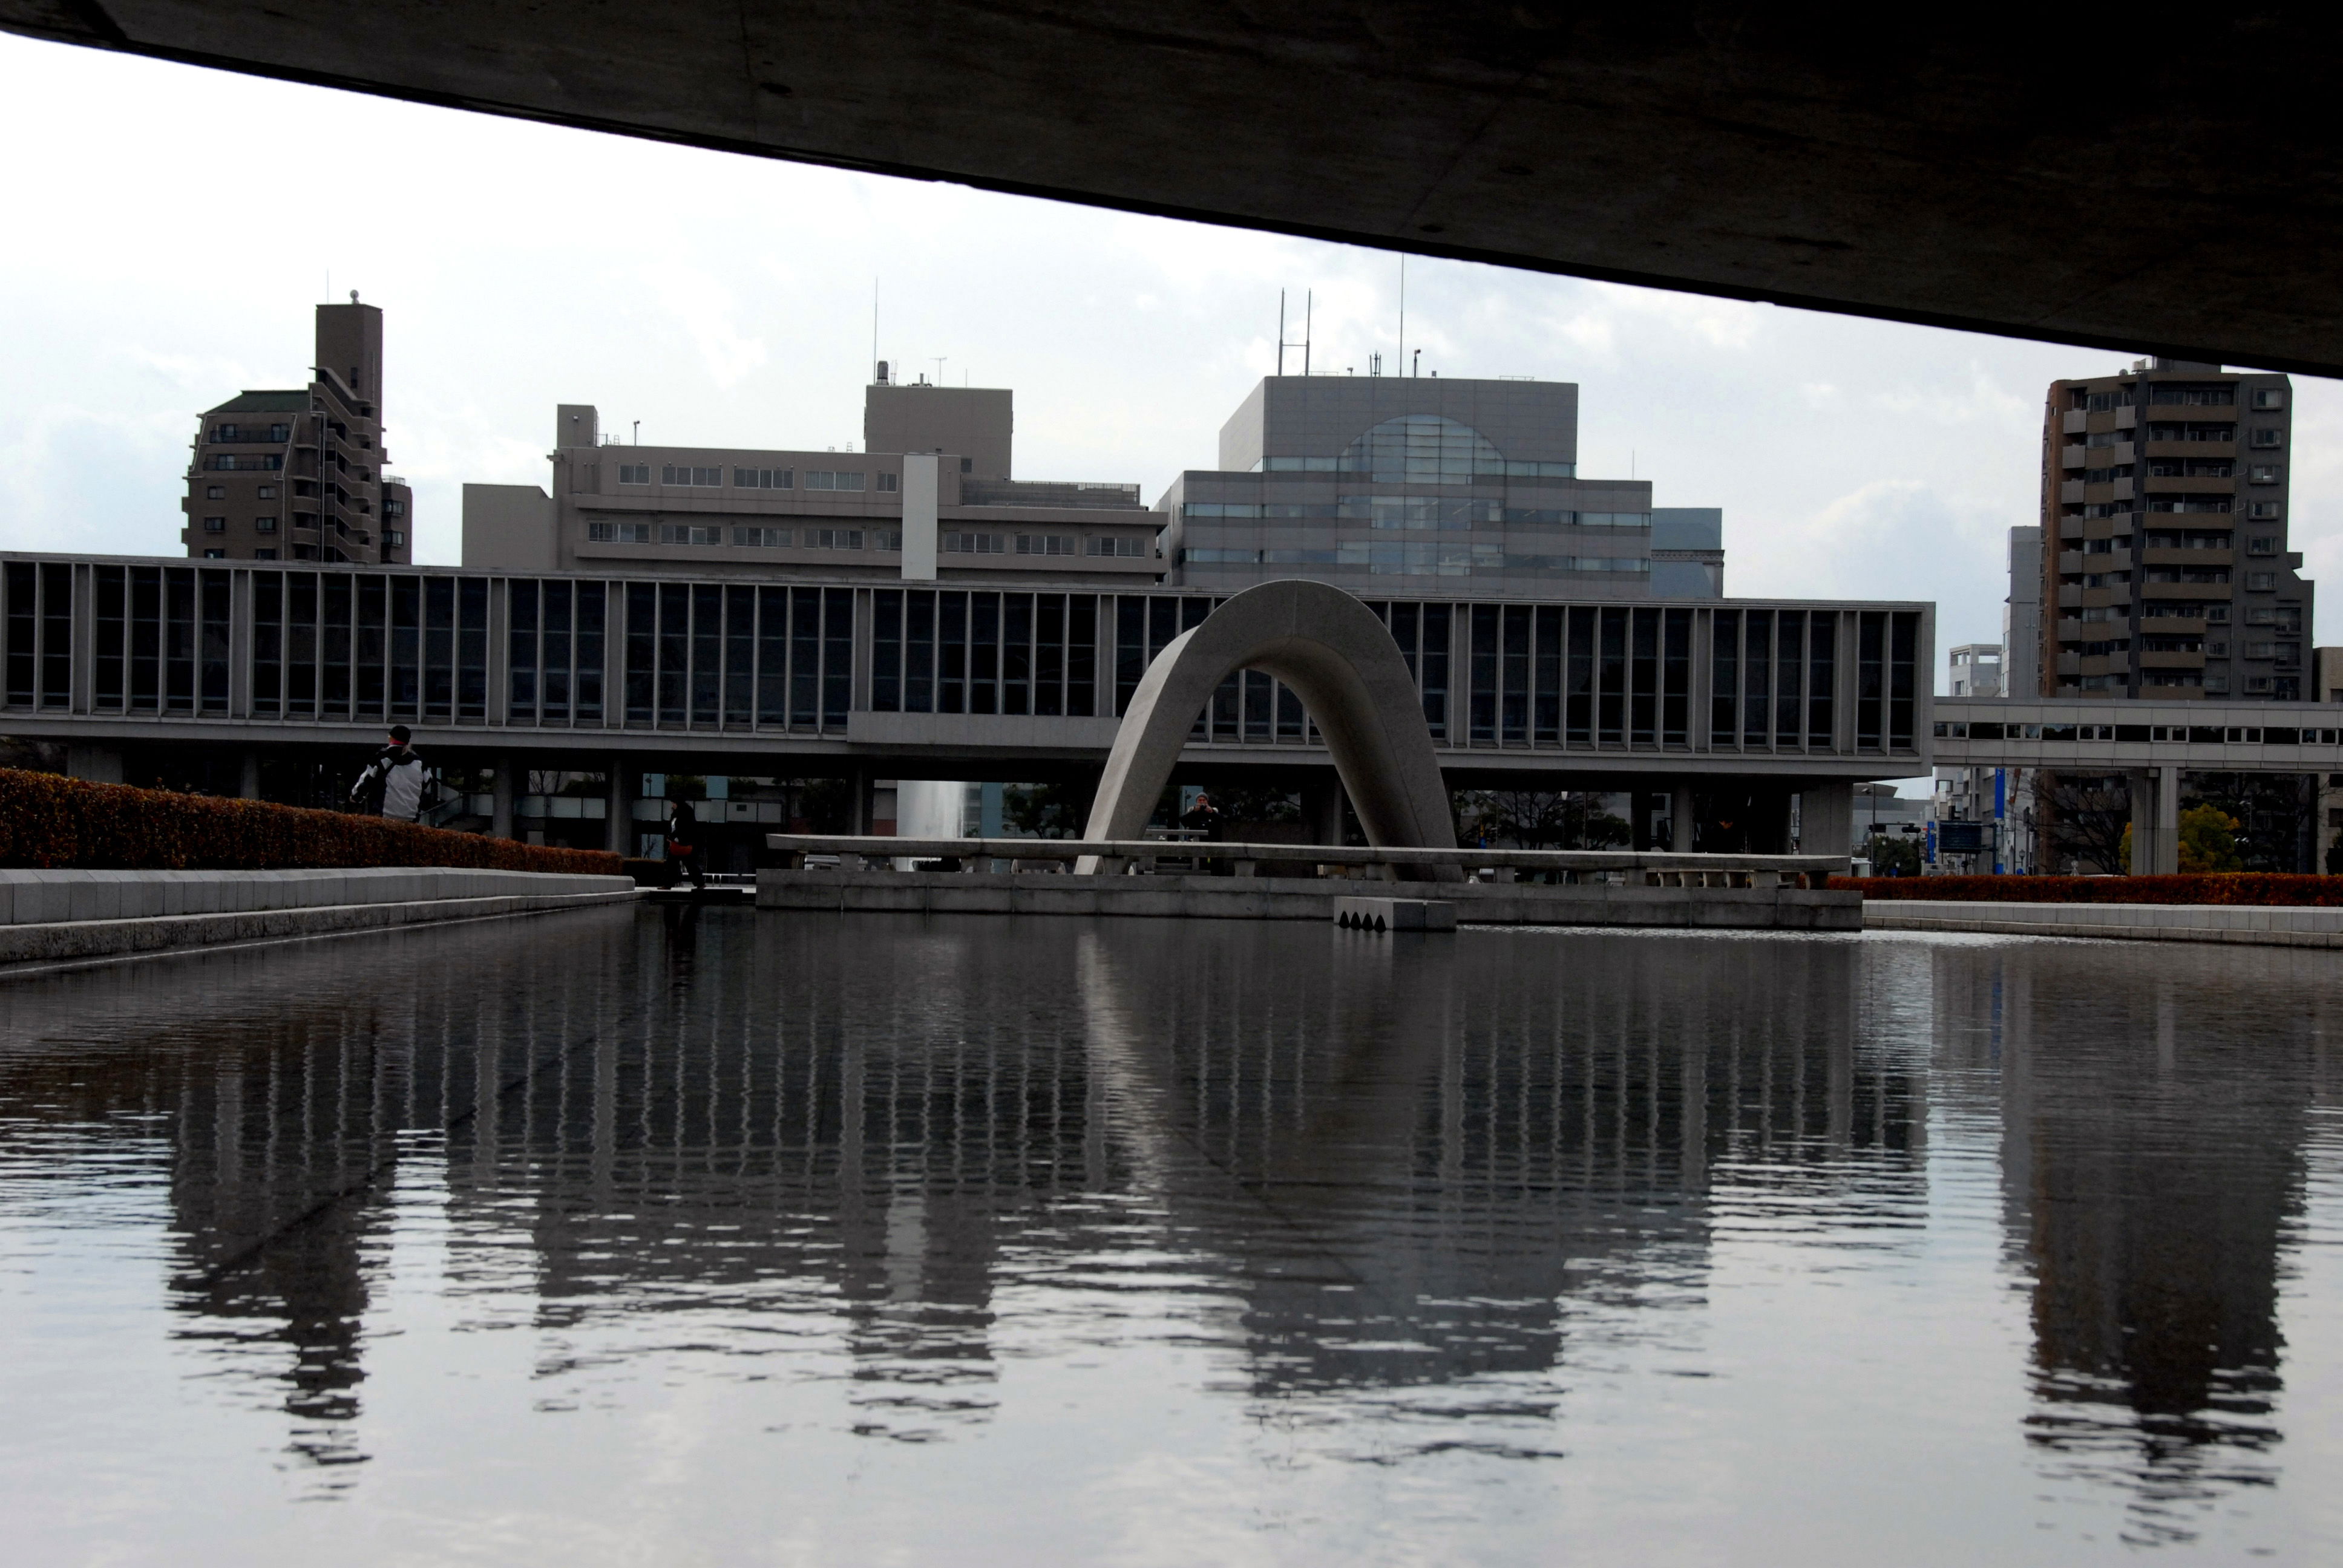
(392, 784)
(683, 846)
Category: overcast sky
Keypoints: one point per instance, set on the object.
(175, 226)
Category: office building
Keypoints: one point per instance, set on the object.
(298, 475)
(2166, 489)
(934, 475)
(1387, 484)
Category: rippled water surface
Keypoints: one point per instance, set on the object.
(630, 1237)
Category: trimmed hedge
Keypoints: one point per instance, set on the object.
(53, 822)
(2217, 887)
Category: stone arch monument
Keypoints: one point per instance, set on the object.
(1348, 672)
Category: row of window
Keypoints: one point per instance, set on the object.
(2219, 396)
(686, 475)
(1413, 512)
(338, 646)
(1099, 545)
(1475, 470)
(2186, 734)
(225, 432)
(757, 538)
(248, 462)
(1421, 561)
(220, 525)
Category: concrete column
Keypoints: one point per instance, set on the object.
(247, 784)
(98, 764)
(921, 486)
(1681, 819)
(859, 782)
(2155, 822)
(625, 778)
(1826, 817)
(503, 789)
(1321, 809)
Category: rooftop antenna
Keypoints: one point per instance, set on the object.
(638, 432)
(874, 323)
(939, 359)
(1415, 366)
(1283, 345)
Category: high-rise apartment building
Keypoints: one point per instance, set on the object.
(298, 475)
(1386, 483)
(2164, 489)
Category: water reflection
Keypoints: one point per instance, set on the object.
(1390, 1186)
(2153, 1137)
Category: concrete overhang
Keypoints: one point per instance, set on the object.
(2167, 187)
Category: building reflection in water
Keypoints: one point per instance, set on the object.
(1371, 1175)
(2153, 1128)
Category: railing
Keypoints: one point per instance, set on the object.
(1633, 868)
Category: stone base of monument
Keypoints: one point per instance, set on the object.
(1395, 914)
(843, 892)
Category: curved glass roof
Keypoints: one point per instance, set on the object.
(1423, 449)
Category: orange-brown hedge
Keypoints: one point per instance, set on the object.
(2223, 887)
(49, 821)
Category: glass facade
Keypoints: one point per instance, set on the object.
(450, 650)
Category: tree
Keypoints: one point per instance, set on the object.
(1893, 854)
(2084, 821)
(2208, 840)
(1539, 820)
(1046, 810)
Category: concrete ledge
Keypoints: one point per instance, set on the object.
(1300, 898)
(40, 898)
(2253, 924)
(1395, 914)
(25, 947)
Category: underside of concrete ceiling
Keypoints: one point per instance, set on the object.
(2165, 182)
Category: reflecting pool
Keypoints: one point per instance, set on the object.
(646, 1236)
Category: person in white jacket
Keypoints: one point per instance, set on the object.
(395, 777)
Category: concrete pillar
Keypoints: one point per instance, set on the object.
(98, 764)
(248, 784)
(503, 786)
(2155, 822)
(1321, 809)
(859, 784)
(1681, 819)
(618, 806)
(1826, 817)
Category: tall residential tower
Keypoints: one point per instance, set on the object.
(2164, 526)
(297, 475)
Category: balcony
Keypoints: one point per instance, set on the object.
(2156, 659)
(2214, 591)
(2072, 457)
(2167, 556)
(2169, 626)
(2191, 450)
(2070, 490)
(2190, 484)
